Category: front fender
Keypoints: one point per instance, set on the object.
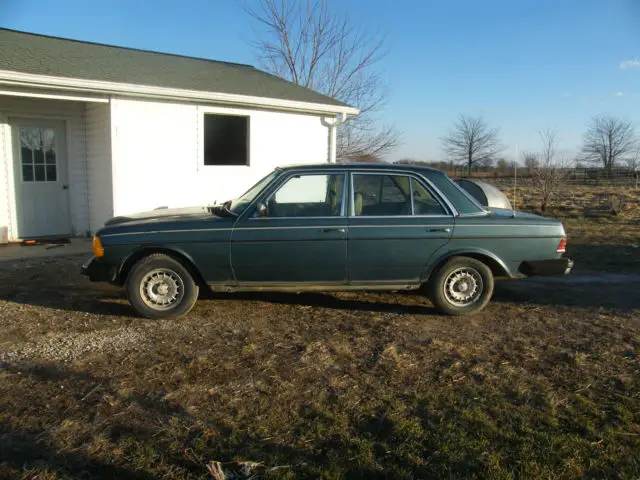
(143, 250)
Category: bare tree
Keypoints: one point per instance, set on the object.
(530, 162)
(471, 140)
(633, 159)
(550, 171)
(607, 140)
(304, 42)
(502, 164)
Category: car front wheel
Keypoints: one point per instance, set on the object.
(462, 286)
(159, 286)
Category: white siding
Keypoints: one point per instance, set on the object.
(5, 176)
(98, 135)
(73, 115)
(157, 153)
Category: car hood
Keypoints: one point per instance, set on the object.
(162, 215)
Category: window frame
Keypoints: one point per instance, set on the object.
(247, 139)
(44, 163)
(343, 206)
(449, 209)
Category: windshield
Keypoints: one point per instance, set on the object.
(238, 205)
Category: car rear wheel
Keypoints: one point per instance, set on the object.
(159, 286)
(462, 286)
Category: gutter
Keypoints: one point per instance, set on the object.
(333, 124)
(8, 77)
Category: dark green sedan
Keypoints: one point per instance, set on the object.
(328, 227)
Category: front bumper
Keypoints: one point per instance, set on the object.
(98, 271)
(555, 266)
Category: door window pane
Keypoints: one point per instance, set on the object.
(308, 196)
(27, 173)
(381, 195)
(38, 156)
(51, 173)
(423, 202)
(37, 149)
(26, 155)
(39, 173)
(50, 157)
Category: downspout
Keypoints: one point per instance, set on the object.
(333, 123)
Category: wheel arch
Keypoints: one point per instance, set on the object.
(497, 266)
(171, 251)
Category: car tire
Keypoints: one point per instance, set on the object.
(159, 286)
(462, 286)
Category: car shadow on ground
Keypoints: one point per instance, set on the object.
(605, 257)
(57, 284)
(409, 303)
(111, 301)
(588, 291)
(98, 301)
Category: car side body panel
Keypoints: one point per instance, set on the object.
(506, 238)
(342, 252)
(394, 249)
(202, 241)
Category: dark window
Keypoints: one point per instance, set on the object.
(226, 140)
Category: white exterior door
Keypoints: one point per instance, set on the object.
(40, 172)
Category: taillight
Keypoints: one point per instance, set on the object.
(562, 246)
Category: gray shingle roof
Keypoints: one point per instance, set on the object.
(44, 55)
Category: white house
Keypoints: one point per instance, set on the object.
(89, 131)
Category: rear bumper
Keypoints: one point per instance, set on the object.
(98, 271)
(556, 266)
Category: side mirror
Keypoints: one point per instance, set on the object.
(261, 209)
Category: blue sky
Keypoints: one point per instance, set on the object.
(524, 65)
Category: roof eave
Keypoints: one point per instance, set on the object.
(9, 77)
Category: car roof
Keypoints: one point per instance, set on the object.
(359, 166)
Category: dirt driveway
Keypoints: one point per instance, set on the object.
(544, 383)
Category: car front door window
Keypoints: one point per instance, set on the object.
(313, 195)
(296, 234)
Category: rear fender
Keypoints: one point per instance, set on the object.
(498, 267)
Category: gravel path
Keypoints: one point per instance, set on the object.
(68, 347)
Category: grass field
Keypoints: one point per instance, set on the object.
(597, 239)
(545, 383)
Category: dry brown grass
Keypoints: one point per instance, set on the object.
(597, 239)
(545, 383)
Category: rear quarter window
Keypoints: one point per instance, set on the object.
(454, 194)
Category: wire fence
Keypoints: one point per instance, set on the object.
(568, 176)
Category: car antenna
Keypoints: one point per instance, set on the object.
(515, 181)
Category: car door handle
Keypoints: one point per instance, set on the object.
(338, 230)
(441, 230)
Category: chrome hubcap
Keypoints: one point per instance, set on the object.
(161, 289)
(463, 287)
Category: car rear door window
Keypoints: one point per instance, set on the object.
(381, 195)
(378, 195)
(424, 203)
